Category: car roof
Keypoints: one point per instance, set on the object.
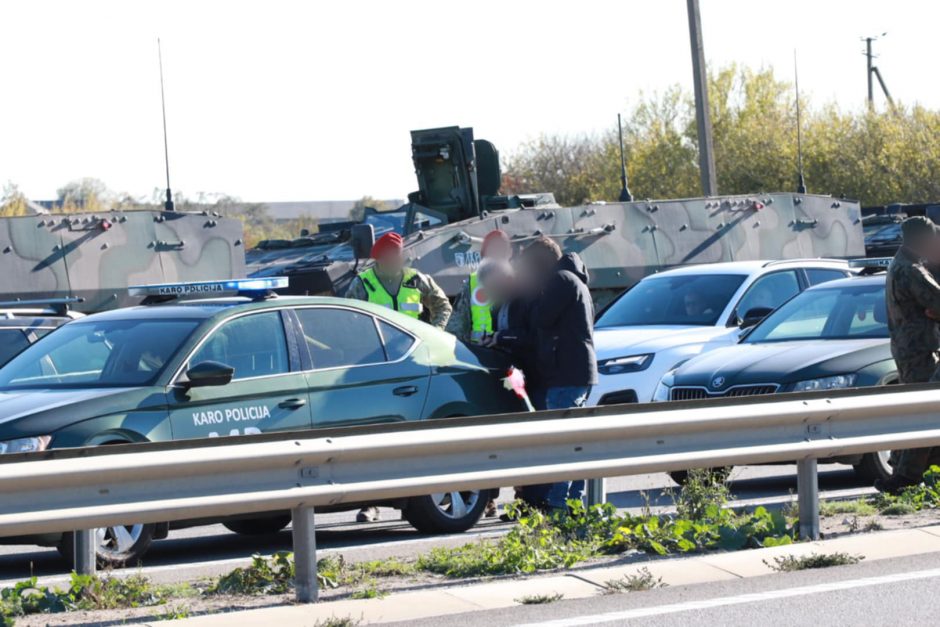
(203, 309)
(860, 280)
(748, 268)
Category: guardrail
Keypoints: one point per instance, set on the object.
(93, 487)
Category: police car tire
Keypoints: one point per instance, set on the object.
(681, 476)
(872, 468)
(425, 516)
(258, 526)
(131, 556)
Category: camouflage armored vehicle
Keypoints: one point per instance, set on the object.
(458, 202)
(93, 258)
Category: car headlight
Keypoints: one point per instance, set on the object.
(825, 383)
(664, 387)
(25, 445)
(620, 365)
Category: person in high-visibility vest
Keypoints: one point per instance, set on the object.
(473, 319)
(392, 284)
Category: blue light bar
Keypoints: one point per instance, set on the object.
(876, 262)
(209, 288)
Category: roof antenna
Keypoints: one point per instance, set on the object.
(625, 195)
(168, 205)
(801, 182)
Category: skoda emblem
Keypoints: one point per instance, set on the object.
(717, 382)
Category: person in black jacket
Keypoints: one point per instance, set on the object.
(562, 330)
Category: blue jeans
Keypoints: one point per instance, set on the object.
(555, 495)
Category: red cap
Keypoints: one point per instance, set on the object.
(390, 242)
(492, 236)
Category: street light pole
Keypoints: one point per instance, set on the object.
(706, 154)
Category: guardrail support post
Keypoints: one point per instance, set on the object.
(84, 553)
(807, 488)
(596, 491)
(305, 554)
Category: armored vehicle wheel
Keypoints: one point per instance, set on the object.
(258, 526)
(117, 546)
(446, 512)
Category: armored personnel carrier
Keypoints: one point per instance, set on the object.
(91, 259)
(458, 202)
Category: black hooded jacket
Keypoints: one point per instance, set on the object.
(563, 321)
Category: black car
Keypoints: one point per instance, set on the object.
(833, 335)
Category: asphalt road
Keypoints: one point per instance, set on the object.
(210, 550)
(899, 591)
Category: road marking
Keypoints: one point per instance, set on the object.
(755, 597)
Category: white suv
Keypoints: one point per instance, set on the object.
(672, 316)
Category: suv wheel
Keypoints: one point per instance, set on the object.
(874, 466)
(116, 546)
(446, 512)
(258, 526)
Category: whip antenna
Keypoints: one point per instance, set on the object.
(625, 195)
(168, 205)
(801, 182)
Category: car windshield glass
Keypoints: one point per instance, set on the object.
(849, 312)
(105, 353)
(695, 300)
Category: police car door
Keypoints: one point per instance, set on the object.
(268, 391)
(361, 369)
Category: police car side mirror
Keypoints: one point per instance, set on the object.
(755, 315)
(209, 373)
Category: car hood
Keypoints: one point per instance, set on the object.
(624, 341)
(37, 412)
(781, 362)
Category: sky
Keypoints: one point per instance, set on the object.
(279, 100)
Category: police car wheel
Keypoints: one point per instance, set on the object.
(681, 476)
(874, 466)
(116, 546)
(258, 526)
(446, 512)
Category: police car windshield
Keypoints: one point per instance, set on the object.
(104, 353)
(691, 300)
(835, 313)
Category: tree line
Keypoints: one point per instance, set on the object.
(876, 157)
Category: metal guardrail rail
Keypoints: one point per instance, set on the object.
(93, 487)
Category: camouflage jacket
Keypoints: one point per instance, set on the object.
(910, 290)
(433, 297)
(461, 322)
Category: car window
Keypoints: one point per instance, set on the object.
(769, 291)
(12, 343)
(821, 275)
(98, 353)
(253, 345)
(397, 342)
(837, 313)
(677, 300)
(340, 337)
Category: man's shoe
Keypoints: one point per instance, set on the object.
(895, 484)
(368, 514)
(491, 510)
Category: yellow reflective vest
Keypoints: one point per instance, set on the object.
(481, 317)
(407, 300)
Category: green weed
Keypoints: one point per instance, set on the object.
(790, 563)
(539, 599)
(640, 581)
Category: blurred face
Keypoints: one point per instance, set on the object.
(391, 263)
(536, 268)
(932, 250)
(498, 249)
(500, 285)
(694, 304)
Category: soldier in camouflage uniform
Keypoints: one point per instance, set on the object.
(911, 291)
(394, 285)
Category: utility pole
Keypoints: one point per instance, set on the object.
(874, 72)
(706, 154)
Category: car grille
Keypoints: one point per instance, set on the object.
(695, 393)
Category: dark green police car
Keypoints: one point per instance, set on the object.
(243, 364)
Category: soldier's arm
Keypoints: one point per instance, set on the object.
(925, 289)
(460, 323)
(357, 290)
(434, 298)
